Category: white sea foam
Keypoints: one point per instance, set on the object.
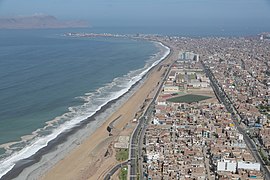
(93, 102)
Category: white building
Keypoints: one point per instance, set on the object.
(170, 89)
(172, 75)
(189, 56)
(231, 165)
(249, 166)
(227, 165)
(198, 84)
(152, 156)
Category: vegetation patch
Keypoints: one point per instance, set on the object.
(189, 98)
(265, 159)
(192, 76)
(264, 109)
(121, 154)
(181, 76)
(123, 173)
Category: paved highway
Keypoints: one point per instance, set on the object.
(135, 151)
(114, 169)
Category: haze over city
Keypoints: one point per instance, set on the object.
(244, 13)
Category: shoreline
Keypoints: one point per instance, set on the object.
(54, 145)
(89, 160)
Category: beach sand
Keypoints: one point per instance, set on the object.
(95, 156)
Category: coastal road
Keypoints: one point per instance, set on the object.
(134, 142)
(137, 136)
(135, 151)
(114, 169)
(236, 117)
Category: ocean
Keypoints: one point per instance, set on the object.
(49, 83)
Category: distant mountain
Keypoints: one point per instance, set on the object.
(38, 22)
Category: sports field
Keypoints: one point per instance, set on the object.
(189, 98)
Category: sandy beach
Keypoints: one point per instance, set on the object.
(101, 152)
(95, 155)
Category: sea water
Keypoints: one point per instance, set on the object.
(49, 83)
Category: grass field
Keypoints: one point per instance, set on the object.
(181, 77)
(189, 98)
(123, 173)
(121, 154)
(191, 76)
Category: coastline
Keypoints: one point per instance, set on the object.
(71, 139)
(88, 161)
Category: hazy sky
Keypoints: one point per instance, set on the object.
(145, 12)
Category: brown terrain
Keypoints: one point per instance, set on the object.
(38, 22)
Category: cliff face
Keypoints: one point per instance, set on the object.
(38, 22)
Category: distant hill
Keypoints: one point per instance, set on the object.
(38, 22)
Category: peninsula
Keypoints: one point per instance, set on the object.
(38, 22)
